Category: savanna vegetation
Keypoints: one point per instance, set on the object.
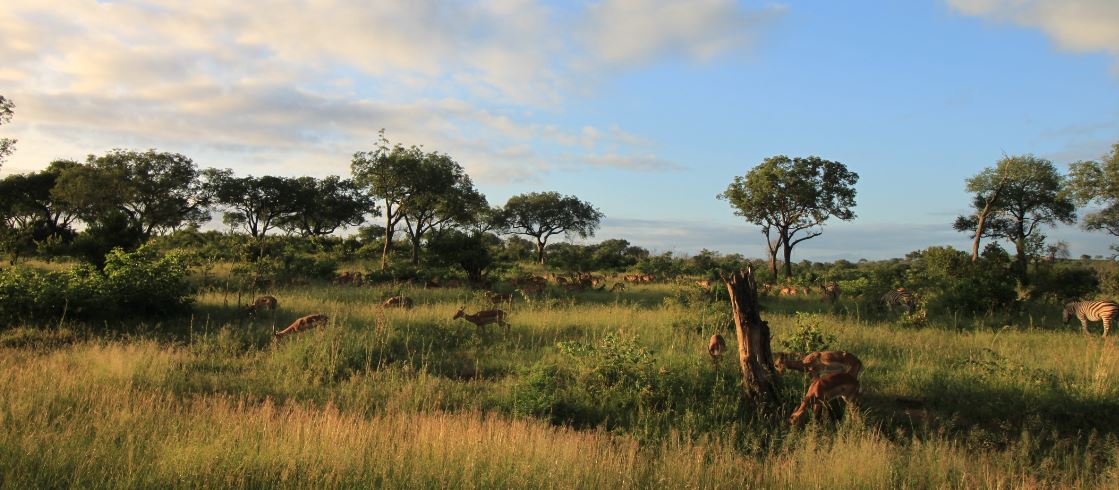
(128, 358)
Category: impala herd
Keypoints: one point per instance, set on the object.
(834, 374)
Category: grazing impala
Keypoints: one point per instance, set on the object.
(302, 323)
(397, 302)
(839, 385)
(716, 347)
(704, 284)
(484, 317)
(497, 298)
(262, 303)
(618, 286)
(821, 363)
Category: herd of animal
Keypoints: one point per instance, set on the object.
(834, 373)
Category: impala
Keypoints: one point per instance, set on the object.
(821, 363)
(716, 347)
(484, 317)
(302, 323)
(262, 303)
(397, 302)
(839, 385)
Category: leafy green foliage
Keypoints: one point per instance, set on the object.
(808, 335)
(143, 283)
(543, 214)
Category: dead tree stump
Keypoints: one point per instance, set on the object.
(755, 358)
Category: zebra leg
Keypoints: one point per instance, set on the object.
(1084, 324)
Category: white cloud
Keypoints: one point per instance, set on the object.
(300, 85)
(1075, 25)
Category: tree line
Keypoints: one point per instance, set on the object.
(125, 197)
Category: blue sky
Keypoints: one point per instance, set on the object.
(646, 108)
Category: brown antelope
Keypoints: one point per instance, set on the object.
(533, 288)
(704, 284)
(839, 385)
(716, 347)
(343, 278)
(831, 292)
(302, 323)
(433, 283)
(631, 278)
(262, 303)
(397, 302)
(618, 286)
(497, 298)
(821, 363)
(482, 318)
(648, 278)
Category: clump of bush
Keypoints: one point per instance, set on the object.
(142, 283)
(807, 336)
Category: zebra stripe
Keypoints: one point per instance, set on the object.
(900, 297)
(1091, 311)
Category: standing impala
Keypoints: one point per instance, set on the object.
(484, 317)
(820, 363)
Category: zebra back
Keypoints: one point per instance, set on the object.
(1093, 311)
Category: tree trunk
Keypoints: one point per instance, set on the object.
(540, 251)
(788, 262)
(415, 250)
(755, 358)
(982, 218)
(388, 243)
(1020, 261)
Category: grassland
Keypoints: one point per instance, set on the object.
(595, 390)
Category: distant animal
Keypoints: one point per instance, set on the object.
(343, 278)
(821, 363)
(357, 279)
(302, 323)
(704, 284)
(631, 278)
(262, 303)
(533, 288)
(497, 298)
(900, 297)
(433, 283)
(648, 278)
(831, 292)
(397, 302)
(839, 385)
(1091, 311)
(452, 283)
(482, 318)
(716, 347)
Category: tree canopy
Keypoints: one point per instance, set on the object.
(1032, 196)
(256, 204)
(7, 110)
(389, 175)
(792, 198)
(544, 214)
(318, 207)
(1093, 182)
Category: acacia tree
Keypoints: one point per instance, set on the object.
(543, 214)
(154, 192)
(255, 203)
(445, 196)
(1032, 197)
(792, 198)
(7, 145)
(1094, 182)
(30, 205)
(389, 174)
(318, 207)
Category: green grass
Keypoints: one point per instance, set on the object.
(412, 398)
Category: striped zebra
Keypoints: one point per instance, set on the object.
(831, 292)
(900, 297)
(1091, 311)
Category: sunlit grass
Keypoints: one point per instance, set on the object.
(412, 398)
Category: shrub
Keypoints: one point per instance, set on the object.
(807, 336)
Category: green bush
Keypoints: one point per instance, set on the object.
(807, 336)
(143, 283)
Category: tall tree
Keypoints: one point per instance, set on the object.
(792, 198)
(155, 191)
(1033, 196)
(30, 205)
(257, 204)
(987, 195)
(318, 207)
(7, 110)
(1093, 182)
(544, 214)
(389, 175)
(444, 196)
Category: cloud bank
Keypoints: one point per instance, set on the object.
(298, 86)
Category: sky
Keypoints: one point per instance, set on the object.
(645, 108)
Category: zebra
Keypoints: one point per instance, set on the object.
(1091, 311)
(900, 297)
(831, 292)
